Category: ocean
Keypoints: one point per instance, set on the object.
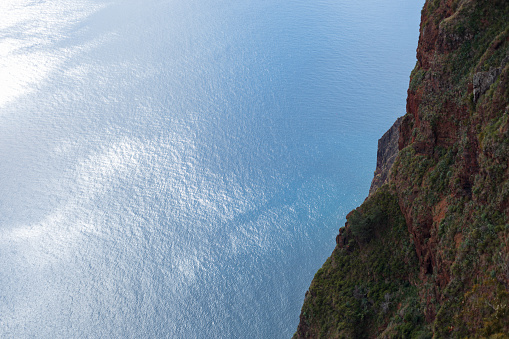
(179, 169)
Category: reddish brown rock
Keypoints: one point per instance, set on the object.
(451, 179)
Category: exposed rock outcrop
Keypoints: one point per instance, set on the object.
(386, 154)
(483, 80)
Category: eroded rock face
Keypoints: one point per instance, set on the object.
(386, 154)
(483, 80)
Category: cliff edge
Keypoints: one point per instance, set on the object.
(385, 156)
(427, 253)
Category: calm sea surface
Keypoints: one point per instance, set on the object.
(180, 169)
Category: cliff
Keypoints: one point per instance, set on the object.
(386, 155)
(427, 254)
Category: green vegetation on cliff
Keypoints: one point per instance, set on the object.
(366, 283)
(427, 255)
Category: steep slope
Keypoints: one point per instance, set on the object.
(427, 254)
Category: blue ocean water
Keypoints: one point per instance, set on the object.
(180, 169)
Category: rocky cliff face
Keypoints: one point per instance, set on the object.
(385, 157)
(427, 254)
